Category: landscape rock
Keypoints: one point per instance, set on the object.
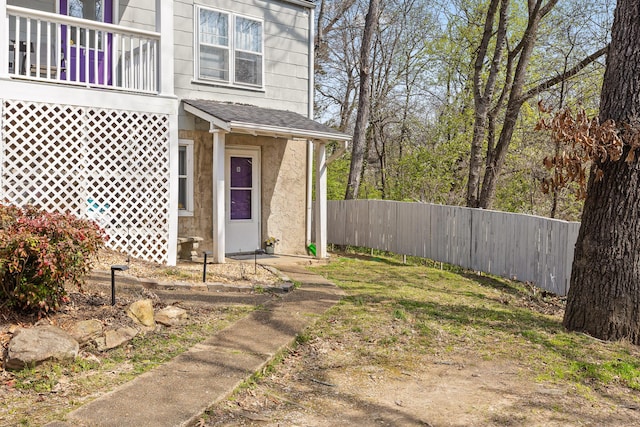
(115, 338)
(86, 330)
(35, 345)
(172, 316)
(142, 312)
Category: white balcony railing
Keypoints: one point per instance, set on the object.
(56, 48)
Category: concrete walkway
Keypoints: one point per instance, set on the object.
(178, 392)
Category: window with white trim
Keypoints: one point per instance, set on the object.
(185, 177)
(229, 48)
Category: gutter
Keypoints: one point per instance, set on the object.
(304, 3)
(253, 128)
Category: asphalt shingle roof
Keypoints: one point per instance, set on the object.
(237, 114)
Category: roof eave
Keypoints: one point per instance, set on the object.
(206, 116)
(304, 3)
(254, 129)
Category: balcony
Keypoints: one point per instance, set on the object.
(47, 47)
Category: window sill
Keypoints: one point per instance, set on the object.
(227, 85)
(185, 213)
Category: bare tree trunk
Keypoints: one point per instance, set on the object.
(358, 150)
(495, 159)
(516, 99)
(556, 192)
(482, 99)
(322, 30)
(604, 296)
(481, 187)
(346, 106)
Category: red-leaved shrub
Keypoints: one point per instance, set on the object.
(40, 253)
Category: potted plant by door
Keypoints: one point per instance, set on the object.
(270, 245)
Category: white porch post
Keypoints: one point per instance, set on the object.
(164, 26)
(321, 200)
(4, 40)
(172, 253)
(218, 196)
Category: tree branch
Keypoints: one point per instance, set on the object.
(563, 76)
(547, 8)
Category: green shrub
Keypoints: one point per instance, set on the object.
(40, 253)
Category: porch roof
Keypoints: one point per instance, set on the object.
(243, 118)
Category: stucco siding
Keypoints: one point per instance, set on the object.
(283, 191)
(201, 223)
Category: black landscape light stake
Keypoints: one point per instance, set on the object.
(255, 259)
(128, 244)
(115, 268)
(204, 265)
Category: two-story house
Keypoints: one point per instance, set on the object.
(163, 119)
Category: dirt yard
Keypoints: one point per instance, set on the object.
(322, 384)
(485, 354)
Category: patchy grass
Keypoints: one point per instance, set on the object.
(412, 344)
(424, 309)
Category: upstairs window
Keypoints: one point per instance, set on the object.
(229, 48)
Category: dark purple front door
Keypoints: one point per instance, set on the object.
(83, 52)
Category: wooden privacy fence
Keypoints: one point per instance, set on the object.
(516, 246)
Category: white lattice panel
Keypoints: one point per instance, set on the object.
(109, 165)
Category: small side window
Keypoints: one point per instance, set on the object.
(185, 177)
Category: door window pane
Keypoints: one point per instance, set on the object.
(87, 9)
(92, 10)
(241, 172)
(240, 204)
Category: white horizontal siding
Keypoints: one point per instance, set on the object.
(140, 14)
(43, 5)
(285, 55)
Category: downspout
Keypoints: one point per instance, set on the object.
(310, 103)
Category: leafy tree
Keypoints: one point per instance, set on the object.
(503, 57)
(422, 109)
(358, 145)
